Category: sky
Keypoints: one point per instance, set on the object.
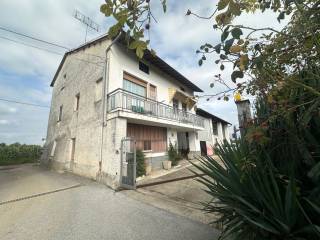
(26, 72)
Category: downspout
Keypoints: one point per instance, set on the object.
(105, 82)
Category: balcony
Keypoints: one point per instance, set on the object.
(130, 103)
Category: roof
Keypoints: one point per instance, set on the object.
(206, 114)
(154, 60)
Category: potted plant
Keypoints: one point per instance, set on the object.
(172, 155)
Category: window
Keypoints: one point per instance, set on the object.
(153, 92)
(215, 128)
(182, 89)
(134, 88)
(143, 67)
(77, 102)
(60, 113)
(98, 94)
(147, 145)
(73, 148)
(53, 149)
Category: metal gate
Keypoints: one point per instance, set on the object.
(128, 163)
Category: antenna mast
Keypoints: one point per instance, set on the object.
(86, 21)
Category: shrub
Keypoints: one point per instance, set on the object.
(19, 153)
(173, 154)
(268, 186)
(141, 168)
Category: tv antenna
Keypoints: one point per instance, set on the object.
(86, 21)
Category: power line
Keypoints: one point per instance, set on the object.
(37, 39)
(24, 103)
(44, 49)
(29, 45)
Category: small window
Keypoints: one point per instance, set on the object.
(98, 96)
(60, 113)
(215, 128)
(182, 89)
(143, 67)
(147, 145)
(65, 75)
(62, 88)
(53, 149)
(77, 102)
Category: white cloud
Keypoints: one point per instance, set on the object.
(4, 122)
(25, 73)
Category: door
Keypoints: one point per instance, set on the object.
(128, 163)
(203, 147)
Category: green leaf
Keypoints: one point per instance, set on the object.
(224, 35)
(234, 8)
(114, 30)
(281, 16)
(227, 45)
(164, 5)
(236, 74)
(217, 48)
(236, 33)
(223, 57)
(222, 4)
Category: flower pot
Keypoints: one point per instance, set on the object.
(166, 165)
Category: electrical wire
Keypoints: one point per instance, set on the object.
(37, 39)
(23, 103)
(29, 45)
(44, 49)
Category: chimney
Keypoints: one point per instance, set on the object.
(244, 113)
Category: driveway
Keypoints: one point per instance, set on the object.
(38, 204)
(178, 192)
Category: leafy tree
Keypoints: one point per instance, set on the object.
(255, 53)
(17, 153)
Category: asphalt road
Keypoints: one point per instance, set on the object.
(89, 211)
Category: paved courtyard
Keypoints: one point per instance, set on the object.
(63, 206)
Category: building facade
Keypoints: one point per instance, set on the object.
(216, 130)
(97, 102)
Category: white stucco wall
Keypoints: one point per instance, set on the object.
(121, 60)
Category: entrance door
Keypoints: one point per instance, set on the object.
(203, 147)
(128, 163)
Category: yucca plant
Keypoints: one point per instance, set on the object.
(268, 186)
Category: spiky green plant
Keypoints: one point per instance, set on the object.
(268, 186)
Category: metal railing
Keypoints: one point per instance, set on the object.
(121, 99)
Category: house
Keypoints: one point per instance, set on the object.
(216, 130)
(102, 110)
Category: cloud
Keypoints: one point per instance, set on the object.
(25, 72)
(4, 122)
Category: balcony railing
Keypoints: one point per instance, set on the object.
(121, 99)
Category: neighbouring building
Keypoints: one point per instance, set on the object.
(94, 108)
(216, 130)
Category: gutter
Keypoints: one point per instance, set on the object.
(105, 81)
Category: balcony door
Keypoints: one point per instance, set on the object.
(135, 101)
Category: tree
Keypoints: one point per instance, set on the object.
(262, 55)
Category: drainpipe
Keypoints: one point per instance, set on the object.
(105, 82)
